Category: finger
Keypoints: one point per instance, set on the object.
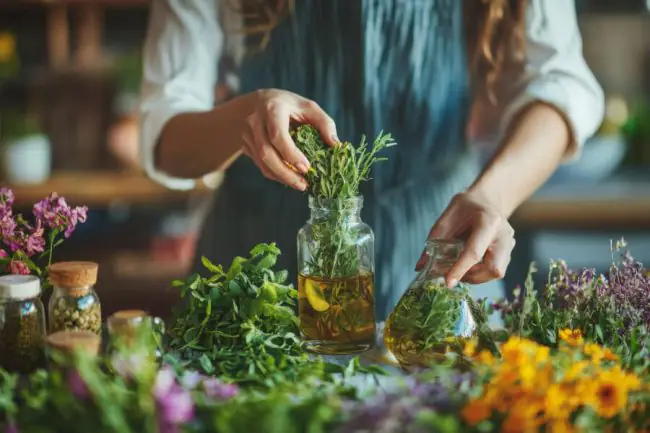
(268, 156)
(482, 236)
(315, 115)
(277, 128)
(249, 150)
(495, 263)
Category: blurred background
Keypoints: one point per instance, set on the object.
(69, 79)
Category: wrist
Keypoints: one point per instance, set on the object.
(487, 189)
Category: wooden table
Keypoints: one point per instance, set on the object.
(103, 189)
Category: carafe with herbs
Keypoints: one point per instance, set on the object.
(336, 282)
(430, 319)
(22, 324)
(74, 304)
(135, 340)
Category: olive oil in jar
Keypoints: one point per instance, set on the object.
(337, 316)
(430, 319)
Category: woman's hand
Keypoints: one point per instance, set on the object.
(267, 140)
(489, 239)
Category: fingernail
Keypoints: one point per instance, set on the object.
(452, 283)
(302, 167)
(301, 185)
(335, 138)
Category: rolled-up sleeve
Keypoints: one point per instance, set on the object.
(184, 42)
(556, 71)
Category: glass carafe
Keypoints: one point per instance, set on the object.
(336, 282)
(431, 319)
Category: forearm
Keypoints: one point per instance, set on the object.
(194, 144)
(530, 153)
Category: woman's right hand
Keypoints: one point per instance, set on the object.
(267, 140)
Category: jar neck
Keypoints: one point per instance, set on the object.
(73, 291)
(442, 255)
(323, 209)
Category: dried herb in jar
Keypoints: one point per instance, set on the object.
(22, 324)
(74, 305)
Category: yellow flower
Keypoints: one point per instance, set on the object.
(560, 427)
(608, 392)
(527, 415)
(572, 337)
(599, 353)
(470, 348)
(485, 357)
(576, 370)
(7, 47)
(556, 403)
(476, 411)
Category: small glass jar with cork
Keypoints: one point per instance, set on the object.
(65, 343)
(22, 323)
(134, 340)
(74, 305)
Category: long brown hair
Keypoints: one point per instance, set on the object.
(494, 31)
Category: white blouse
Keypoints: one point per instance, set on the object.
(186, 39)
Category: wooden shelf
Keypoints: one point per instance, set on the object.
(102, 189)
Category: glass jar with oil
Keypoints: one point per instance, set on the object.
(336, 281)
(430, 319)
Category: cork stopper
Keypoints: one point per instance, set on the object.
(73, 276)
(69, 341)
(125, 322)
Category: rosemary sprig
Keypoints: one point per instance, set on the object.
(334, 179)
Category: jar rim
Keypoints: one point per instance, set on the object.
(323, 202)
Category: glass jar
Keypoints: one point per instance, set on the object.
(22, 324)
(336, 281)
(431, 320)
(135, 338)
(74, 305)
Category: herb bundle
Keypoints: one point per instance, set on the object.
(239, 324)
(334, 179)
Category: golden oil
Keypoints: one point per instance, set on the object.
(337, 316)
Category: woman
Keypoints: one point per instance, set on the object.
(349, 67)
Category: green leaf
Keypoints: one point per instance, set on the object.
(215, 269)
(206, 364)
(236, 267)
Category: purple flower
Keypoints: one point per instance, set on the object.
(217, 390)
(11, 428)
(165, 382)
(53, 212)
(77, 385)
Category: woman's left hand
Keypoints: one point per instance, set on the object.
(489, 239)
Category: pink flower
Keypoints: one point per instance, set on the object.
(3, 254)
(217, 390)
(77, 385)
(17, 267)
(7, 225)
(175, 404)
(6, 198)
(11, 428)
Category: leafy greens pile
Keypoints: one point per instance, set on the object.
(334, 179)
(239, 324)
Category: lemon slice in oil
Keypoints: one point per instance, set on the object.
(316, 298)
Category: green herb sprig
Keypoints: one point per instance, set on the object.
(334, 180)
